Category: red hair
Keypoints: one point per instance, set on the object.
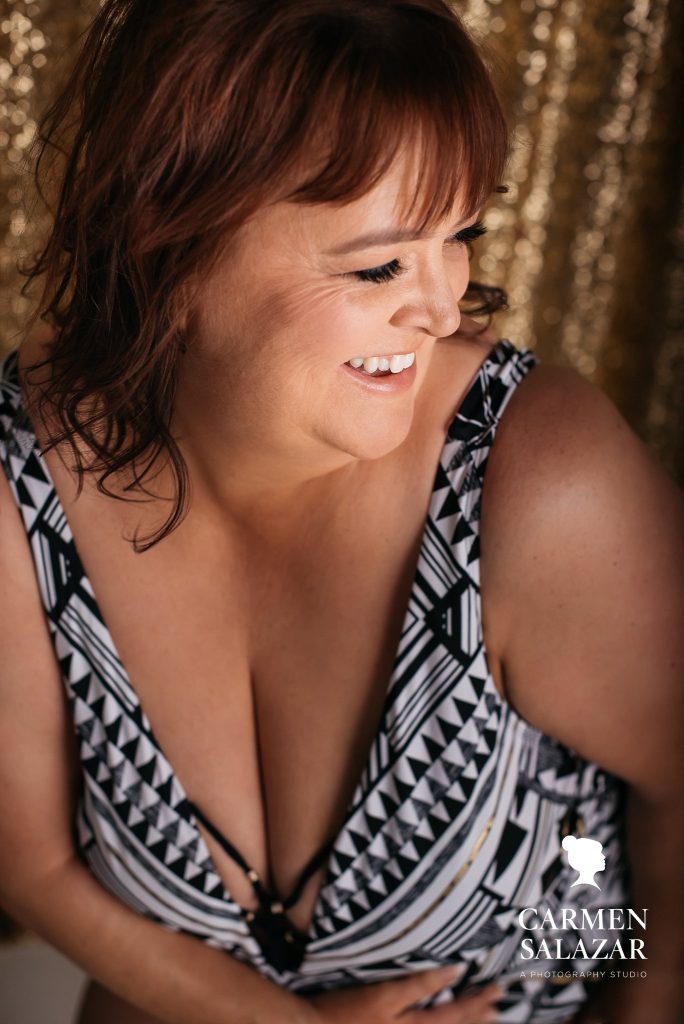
(178, 122)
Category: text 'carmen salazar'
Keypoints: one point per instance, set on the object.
(609, 919)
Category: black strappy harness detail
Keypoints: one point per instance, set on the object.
(282, 943)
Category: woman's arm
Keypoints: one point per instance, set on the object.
(176, 978)
(583, 558)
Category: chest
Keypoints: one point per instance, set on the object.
(263, 668)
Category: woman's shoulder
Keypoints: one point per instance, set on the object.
(551, 441)
(559, 434)
(581, 557)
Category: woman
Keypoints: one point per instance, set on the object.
(277, 424)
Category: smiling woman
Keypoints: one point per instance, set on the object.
(243, 105)
(321, 731)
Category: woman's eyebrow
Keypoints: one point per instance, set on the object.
(388, 237)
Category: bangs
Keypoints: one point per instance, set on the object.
(190, 115)
(396, 87)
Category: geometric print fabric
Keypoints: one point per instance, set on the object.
(456, 822)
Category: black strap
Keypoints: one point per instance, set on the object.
(265, 897)
(314, 864)
(228, 847)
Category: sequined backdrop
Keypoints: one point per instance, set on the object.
(589, 242)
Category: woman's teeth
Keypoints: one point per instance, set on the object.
(383, 364)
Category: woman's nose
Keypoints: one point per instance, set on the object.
(434, 308)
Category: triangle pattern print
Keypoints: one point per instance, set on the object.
(456, 822)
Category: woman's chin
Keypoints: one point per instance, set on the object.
(377, 441)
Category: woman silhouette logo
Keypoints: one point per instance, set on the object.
(586, 857)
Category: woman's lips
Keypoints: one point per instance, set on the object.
(382, 381)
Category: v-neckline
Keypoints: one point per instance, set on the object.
(183, 807)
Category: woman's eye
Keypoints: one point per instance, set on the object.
(475, 230)
(378, 275)
(388, 271)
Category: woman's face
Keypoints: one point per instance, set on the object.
(298, 295)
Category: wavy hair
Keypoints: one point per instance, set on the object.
(178, 121)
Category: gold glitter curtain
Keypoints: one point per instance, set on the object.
(589, 242)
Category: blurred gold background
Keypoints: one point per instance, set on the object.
(589, 241)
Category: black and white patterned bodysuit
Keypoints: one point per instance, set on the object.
(456, 823)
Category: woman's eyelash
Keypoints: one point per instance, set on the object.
(379, 275)
(475, 230)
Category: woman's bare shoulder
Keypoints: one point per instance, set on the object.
(582, 560)
(558, 433)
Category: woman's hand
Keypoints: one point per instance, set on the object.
(387, 1001)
